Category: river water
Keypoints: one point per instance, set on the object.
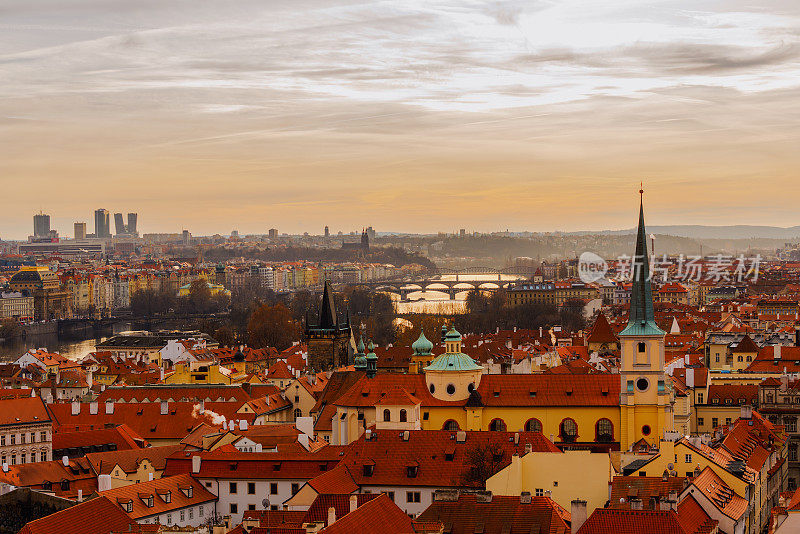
(71, 348)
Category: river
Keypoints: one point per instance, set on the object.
(71, 348)
(438, 302)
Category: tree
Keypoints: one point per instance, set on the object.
(483, 461)
(199, 296)
(571, 314)
(272, 326)
(224, 334)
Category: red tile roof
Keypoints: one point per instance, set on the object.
(104, 462)
(441, 460)
(96, 516)
(611, 521)
(693, 518)
(174, 489)
(501, 515)
(601, 332)
(377, 516)
(23, 410)
(623, 488)
(122, 436)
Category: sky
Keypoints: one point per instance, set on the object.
(412, 115)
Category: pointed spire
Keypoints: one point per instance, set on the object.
(327, 313)
(641, 309)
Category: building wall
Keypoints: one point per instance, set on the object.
(567, 476)
(12, 453)
(244, 500)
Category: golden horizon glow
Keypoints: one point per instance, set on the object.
(416, 116)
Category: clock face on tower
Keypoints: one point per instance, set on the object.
(642, 384)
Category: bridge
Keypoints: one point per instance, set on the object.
(491, 279)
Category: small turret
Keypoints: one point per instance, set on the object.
(372, 361)
(422, 347)
(360, 360)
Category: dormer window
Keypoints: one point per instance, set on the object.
(188, 491)
(368, 469)
(412, 471)
(166, 496)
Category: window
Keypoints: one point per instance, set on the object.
(389, 494)
(387, 415)
(251, 488)
(234, 509)
(295, 487)
(208, 484)
(727, 420)
(33, 437)
(298, 413)
(425, 416)
(642, 346)
(604, 431)
(791, 484)
(687, 458)
(412, 496)
(13, 439)
(539, 492)
(642, 384)
(714, 422)
(251, 506)
(3, 440)
(497, 425)
(233, 487)
(700, 421)
(533, 425)
(568, 430)
(791, 424)
(793, 452)
(200, 511)
(22, 458)
(273, 488)
(700, 397)
(183, 515)
(403, 416)
(450, 425)
(451, 389)
(191, 513)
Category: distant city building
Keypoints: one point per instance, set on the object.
(119, 224)
(15, 305)
(273, 233)
(102, 225)
(41, 225)
(49, 300)
(132, 221)
(80, 230)
(327, 231)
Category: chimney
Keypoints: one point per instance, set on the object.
(353, 503)
(747, 412)
(406, 435)
(302, 439)
(243, 424)
(232, 425)
(525, 497)
(103, 482)
(93, 408)
(109, 407)
(797, 337)
(461, 436)
(776, 352)
(196, 460)
(578, 513)
(331, 515)
(516, 438)
(150, 476)
(76, 408)
(690, 377)
(164, 407)
(65, 460)
(5, 467)
(89, 378)
(528, 447)
(80, 495)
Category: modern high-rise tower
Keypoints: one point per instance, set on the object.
(41, 225)
(132, 217)
(80, 230)
(119, 224)
(102, 225)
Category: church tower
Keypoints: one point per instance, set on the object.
(645, 399)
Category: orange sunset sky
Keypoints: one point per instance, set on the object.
(416, 116)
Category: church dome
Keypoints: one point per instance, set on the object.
(422, 346)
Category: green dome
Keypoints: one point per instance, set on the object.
(422, 347)
(453, 361)
(452, 335)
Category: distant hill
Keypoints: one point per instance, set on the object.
(697, 231)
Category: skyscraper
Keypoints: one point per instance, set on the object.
(80, 230)
(119, 224)
(132, 218)
(327, 231)
(41, 225)
(102, 225)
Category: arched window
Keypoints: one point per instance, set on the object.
(403, 416)
(533, 425)
(298, 413)
(387, 415)
(497, 425)
(450, 425)
(604, 431)
(642, 347)
(568, 430)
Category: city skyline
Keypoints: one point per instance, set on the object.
(489, 116)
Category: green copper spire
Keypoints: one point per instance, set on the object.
(641, 320)
(360, 360)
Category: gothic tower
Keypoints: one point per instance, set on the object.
(645, 398)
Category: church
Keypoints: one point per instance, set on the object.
(600, 412)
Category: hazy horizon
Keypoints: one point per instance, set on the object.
(417, 116)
